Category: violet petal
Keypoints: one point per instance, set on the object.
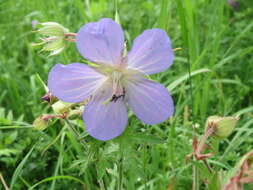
(101, 42)
(74, 82)
(151, 52)
(150, 101)
(105, 121)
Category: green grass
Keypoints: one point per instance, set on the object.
(211, 75)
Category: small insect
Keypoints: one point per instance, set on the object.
(115, 97)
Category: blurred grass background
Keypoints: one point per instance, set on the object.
(217, 45)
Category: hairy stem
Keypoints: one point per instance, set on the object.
(208, 166)
(70, 34)
(195, 184)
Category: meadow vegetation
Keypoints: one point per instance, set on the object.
(211, 75)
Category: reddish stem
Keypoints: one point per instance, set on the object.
(70, 34)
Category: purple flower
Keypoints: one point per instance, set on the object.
(234, 4)
(34, 24)
(116, 81)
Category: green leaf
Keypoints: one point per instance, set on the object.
(18, 170)
(164, 14)
(101, 168)
(11, 138)
(54, 178)
(185, 77)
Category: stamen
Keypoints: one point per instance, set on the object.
(116, 85)
(114, 97)
(117, 90)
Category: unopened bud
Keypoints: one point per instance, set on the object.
(41, 122)
(223, 126)
(61, 107)
(34, 24)
(48, 97)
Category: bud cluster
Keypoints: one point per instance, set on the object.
(62, 110)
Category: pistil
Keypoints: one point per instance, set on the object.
(117, 89)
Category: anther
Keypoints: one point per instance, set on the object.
(116, 97)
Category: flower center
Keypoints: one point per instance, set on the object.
(118, 90)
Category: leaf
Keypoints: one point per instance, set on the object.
(41, 82)
(54, 178)
(8, 152)
(18, 170)
(101, 168)
(214, 182)
(185, 77)
(164, 15)
(4, 121)
(10, 115)
(243, 111)
(113, 147)
(11, 138)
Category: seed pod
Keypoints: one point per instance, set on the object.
(41, 122)
(224, 126)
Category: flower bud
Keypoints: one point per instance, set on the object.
(61, 107)
(48, 97)
(34, 24)
(41, 122)
(52, 37)
(223, 125)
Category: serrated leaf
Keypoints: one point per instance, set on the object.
(4, 121)
(11, 138)
(8, 152)
(10, 115)
(101, 168)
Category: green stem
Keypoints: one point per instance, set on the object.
(101, 184)
(120, 169)
(72, 128)
(195, 185)
(208, 166)
(145, 166)
(120, 184)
